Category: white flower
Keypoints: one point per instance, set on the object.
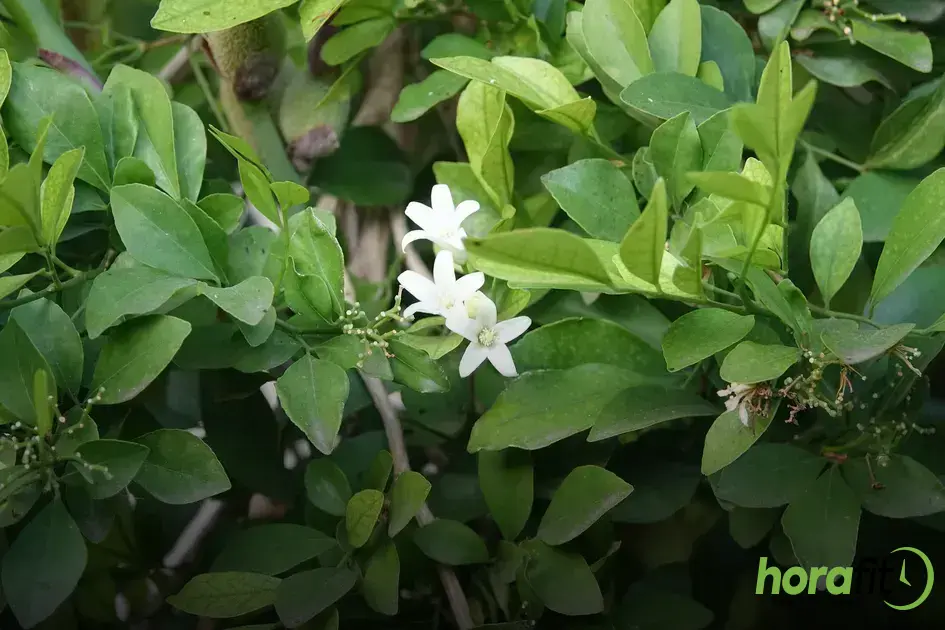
(487, 337)
(738, 393)
(443, 223)
(444, 295)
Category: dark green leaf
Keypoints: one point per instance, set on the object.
(728, 439)
(700, 334)
(52, 333)
(248, 301)
(911, 135)
(417, 99)
(597, 195)
(121, 461)
(852, 345)
(415, 369)
(822, 523)
(668, 94)
(725, 42)
(326, 486)
(585, 495)
(272, 549)
(751, 362)
(451, 542)
(313, 393)
(381, 585)
(911, 49)
(304, 595)
(638, 408)
(562, 580)
(21, 361)
(225, 595)
(407, 496)
(767, 475)
(507, 481)
(356, 39)
(906, 488)
(180, 468)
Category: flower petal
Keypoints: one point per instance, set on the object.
(457, 322)
(422, 215)
(414, 235)
(512, 328)
(501, 360)
(442, 201)
(743, 413)
(421, 307)
(485, 312)
(421, 288)
(443, 273)
(464, 210)
(472, 358)
(469, 284)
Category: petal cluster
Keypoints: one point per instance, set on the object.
(441, 222)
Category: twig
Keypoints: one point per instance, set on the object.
(398, 450)
(26, 299)
(180, 60)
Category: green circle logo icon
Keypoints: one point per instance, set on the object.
(929, 580)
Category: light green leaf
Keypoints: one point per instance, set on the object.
(734, 186)
(852, 345)
(159, 233)
(202, 16)
(644, 243)
(751, 362)
(539, 258)
(822, 523)
(728, 439)
(9, 284)
(767, 475)
(43, 565)
(290, 194)
(676, 150)
(910, 48)
(222, 595)
(638, 408)
(248, 301)
(562, 580)
(725, 42)
(407, 496)
(700, 334)
(123, 291)
(224, 208)
(355, 39)
(361, 515)
(616, 40)
(131, 170)
(21, 362)
(38, 92)
(596, 195)
(303, 595)
(326, 486)
(313, 393)
(314, 283)
(56, 194)
(908, 489)
(842, 71)
(315, 13)
(710, 74)
(180, 468)
(543, 407)
(256, 185)
(417, 99)
(190, 148)
(912, 135)
(835, 247)
(485, 123)
(381, 585)
(668, 94)
(577, 41)
(506, 479)
(121, 460)
(272, 549)
(416, 369)
(585, 495)
(118, 121)
(676, 38)
(135, 355)
(451, 542)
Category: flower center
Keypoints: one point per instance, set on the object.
(487, 337)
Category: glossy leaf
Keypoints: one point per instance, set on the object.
(407, 496)
(616, 40)
(676, 149)
(201, 16)
(313, 392)
(585, 495)
(638, 408)
(361, 515)
(641, 249)
(450, 542)
(751, 362)
(180, 468)
(728, 439)
(676, 38)
(128, 291)
(835, 248)
(668, 94)
(700, 334)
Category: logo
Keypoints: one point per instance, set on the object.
(870, 577)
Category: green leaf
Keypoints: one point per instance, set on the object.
(596, 195)
(272, 549)
(121, 461)
(917, 231)
(290, 194)
(180, 468)
(224, 208)
(543, 407)
(315, 13)
(43, 565)
(56, 194)
(454, 45)
(407, 496)
(676, 38)
(119, 123)
(663, 488)
(417, 99)
(701, 333)
(124, 291)
(378, 473)
(675, 149)
(767, 475)
(638, 408)
(416, 369)
(728, 439)
(616, 41)
(842, 71)
(835, 247)
(822, 523)
(226, 594)
(303, 595)
(313, 394)
(21, 361)
(135, 355)
(911, 135)
(257, 188)
(585, 495)
(190, 148)
(202, 16)
(159, 233)
(751, 362)
(852, 345)
(668, 94)
(131, 170)
(539, 258)
(506, 479)
(485, 123)
(356, 39)
(734, 186)
(725, 42)
(53, 334)
(562, 580)
(878, 197)
(155, 140)
(907, 488)
(450, 542)
(644, 243)
(361, 515)
(911, 49)
(39, 92)
(381, 584)
(326, 486)
(248, 301)
(647, 606)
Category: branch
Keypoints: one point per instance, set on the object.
(398, 450)
(83, 276)
(181, 60)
